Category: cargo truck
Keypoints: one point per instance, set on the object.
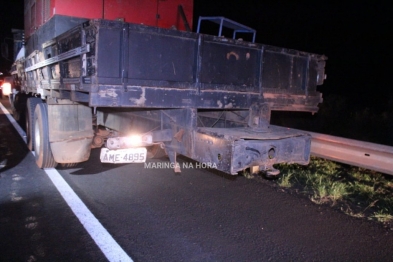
(130, 77)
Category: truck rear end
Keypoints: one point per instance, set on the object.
(131, 88)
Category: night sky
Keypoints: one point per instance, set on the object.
(354, 35)
(11, 16)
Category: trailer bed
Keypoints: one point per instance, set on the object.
(116, 64)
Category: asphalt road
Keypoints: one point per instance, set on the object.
(155, 215)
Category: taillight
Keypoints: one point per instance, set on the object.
(6, 87)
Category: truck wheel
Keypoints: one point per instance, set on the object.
(68, 165)
(14, 101)
(19, 107)
(43, 152)
(156, 151)
(30, 107)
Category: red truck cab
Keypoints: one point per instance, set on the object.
(159, 13)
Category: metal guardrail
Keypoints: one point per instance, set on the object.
(353, 152)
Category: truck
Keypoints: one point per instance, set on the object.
(130, 78)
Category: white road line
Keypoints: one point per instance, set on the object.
(100, 235)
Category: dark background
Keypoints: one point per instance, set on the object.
(11, 16)
(354, 35)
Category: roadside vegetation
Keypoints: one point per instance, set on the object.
(355, 191)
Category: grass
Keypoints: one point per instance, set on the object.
(355, 191)
(383, 217)
(285, 180)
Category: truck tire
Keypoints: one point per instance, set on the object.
(19, 107)
(43, 152)
(68, 165)
(14, 100)
(30, 107)
(156, 151)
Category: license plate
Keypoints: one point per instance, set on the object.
(129, 155)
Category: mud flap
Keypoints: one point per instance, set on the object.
(70, 131)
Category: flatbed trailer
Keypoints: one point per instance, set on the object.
(134, 89)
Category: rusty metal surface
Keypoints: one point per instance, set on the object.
(357, 153)
(235, 149)
(273, 133)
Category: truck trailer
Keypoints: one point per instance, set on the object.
(131, 78)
